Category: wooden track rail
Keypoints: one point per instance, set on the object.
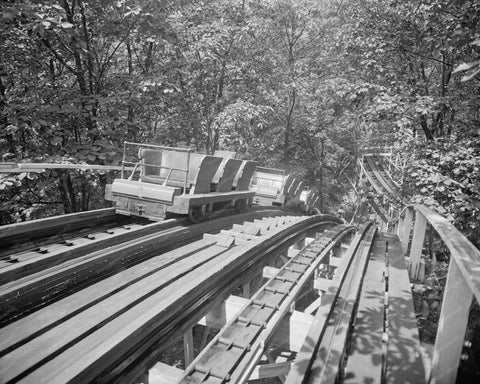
(39, 281)
(12, 233)
(234, 352)
(107, 330)
(365, 330)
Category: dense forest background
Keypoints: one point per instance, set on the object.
(300, 85)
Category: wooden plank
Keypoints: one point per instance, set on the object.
(47, 284)
(404, 363)
(417, 245)
(189, 354)
(163, 373)
(42, 320)
(406, 229)
(58, 254)
(365, 363)
(53, 225)
(82, 325)
(451, 327)
(264, 371)
(305, 357)
(151, 318)
(333, 342)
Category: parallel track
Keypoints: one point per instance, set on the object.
(36, 282)
(111, 328)
(234, 352)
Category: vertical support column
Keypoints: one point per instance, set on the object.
(296, 247)
(415, 263)
(451, 327)
(217, 317)
(188, 346)
(406, 227)
(400, 225)
(246, 290)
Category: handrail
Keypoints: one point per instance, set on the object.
(160, 148)
(463, 283)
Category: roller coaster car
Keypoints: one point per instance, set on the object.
(176, 180)
(270, 186)
(309, 199)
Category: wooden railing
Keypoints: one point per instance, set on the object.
(463, 283)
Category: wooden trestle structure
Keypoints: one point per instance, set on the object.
(103, 303)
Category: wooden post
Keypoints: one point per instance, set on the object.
(188, 346)
(417, 245)
(246, 291)
(451, 327)
(300, 244)
(400, 228)
(405, 230)
(217, 317)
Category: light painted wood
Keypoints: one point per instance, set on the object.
(406, 228)
(451, 327)
(163, 373)
(404, 362)
(233, 305)
(269, 272)
(247, 289)
(315, 305)
(293, 330)
(417, 245)
(265, 371)
(188, 351)
(364, 363)
(321, 284)
(217, 317)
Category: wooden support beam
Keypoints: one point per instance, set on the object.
(246, 290)
(188, 351)
(315, 305)
(321, 284)
(265, 371)
(217, 317)
(451, 327)
(293, 330)
(232, 305)
(405, 230)
(417, 246)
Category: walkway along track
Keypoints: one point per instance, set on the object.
(110, 328)
(34, 282)
(233, 354)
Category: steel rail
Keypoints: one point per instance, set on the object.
(232, 355)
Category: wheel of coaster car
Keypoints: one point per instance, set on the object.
(241, 205)
(197, 213)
